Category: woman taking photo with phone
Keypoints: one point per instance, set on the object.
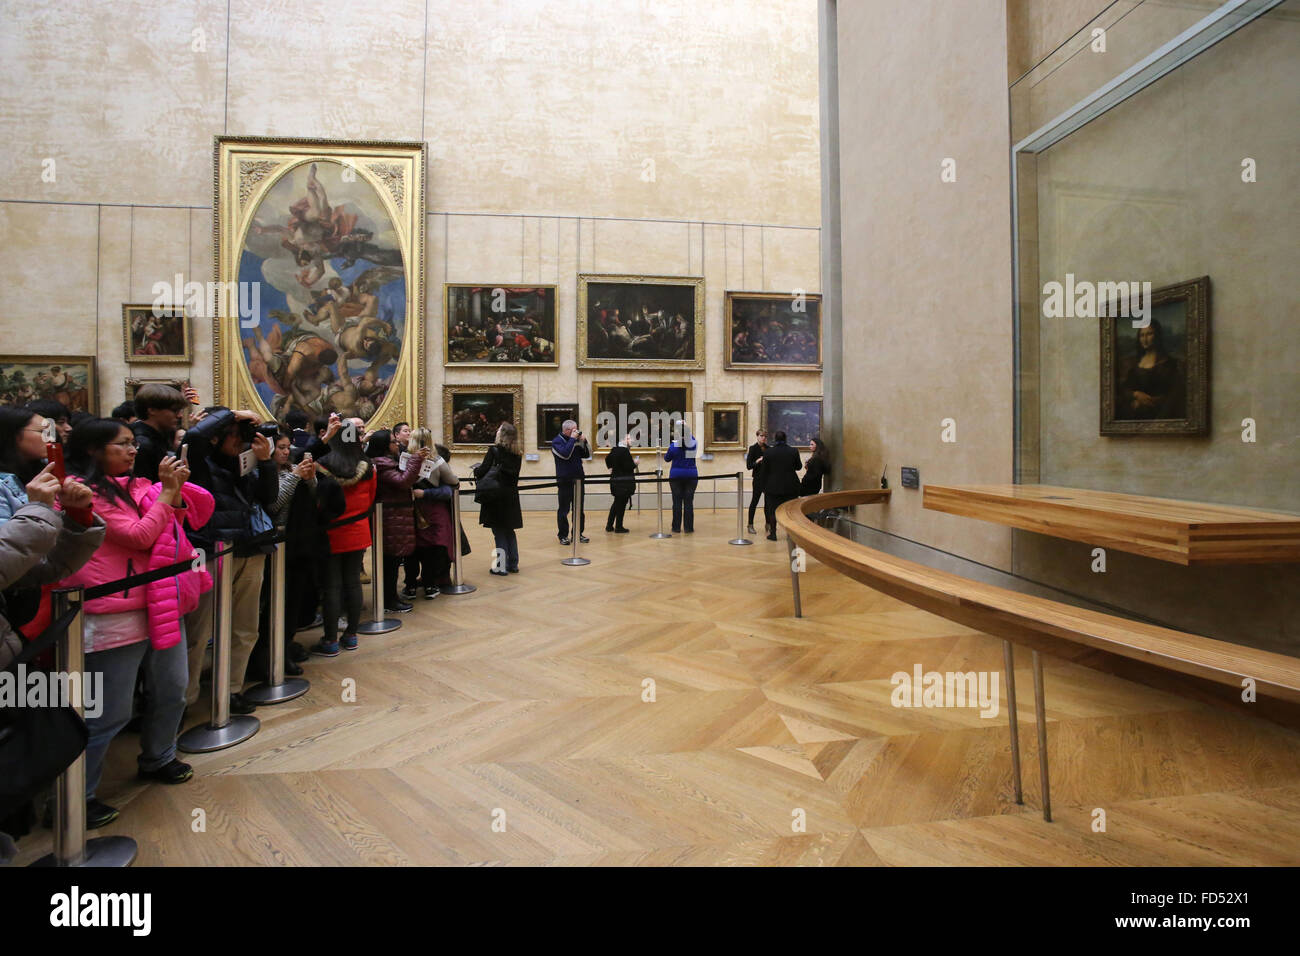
(128, 629)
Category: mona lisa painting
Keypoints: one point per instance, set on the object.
(1156, 380)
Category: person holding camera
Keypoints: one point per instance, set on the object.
(394, 490)
(346, 486)
(622, 484)
(158, 411)
(683, 477)
(229, 454)
(569, 448)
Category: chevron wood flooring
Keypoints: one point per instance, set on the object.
(770, 741)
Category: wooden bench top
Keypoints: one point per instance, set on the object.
(1182, 532)
(1027, 619)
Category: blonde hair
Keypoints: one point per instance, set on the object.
(421, 438)
(508, 438)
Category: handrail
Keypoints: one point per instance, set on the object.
(1025, 618)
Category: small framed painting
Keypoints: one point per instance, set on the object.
(640, 322)
(775, 331)
(156, 334)
(471, 414)
(499, 325)
(551, 419)
(69, 379)
(1155, 380)
(799, 416)
(724, 426)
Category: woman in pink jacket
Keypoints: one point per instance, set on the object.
(140, 624)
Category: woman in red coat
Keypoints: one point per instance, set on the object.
(344, 475)
(394, 493)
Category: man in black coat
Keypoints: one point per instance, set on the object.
(244, 483)
(781, 483)
(754, 462)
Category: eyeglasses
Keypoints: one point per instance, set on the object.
(129, 443)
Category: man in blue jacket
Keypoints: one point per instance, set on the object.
(569, 448)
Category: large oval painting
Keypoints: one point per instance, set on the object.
(332, 311)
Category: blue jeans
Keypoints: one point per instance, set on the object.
(166, 675)
(119, 667)
(505, 540)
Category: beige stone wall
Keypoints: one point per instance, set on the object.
(535, 114)
(927, 264)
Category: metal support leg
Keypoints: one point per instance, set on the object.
(1009, 666)
(378, 624)
(71, 848)
(222, 730)
(458, 585)
(659, 504)
(740, 511)
(794, 578)
(576, 534)
(277, 689)
(1040, 715)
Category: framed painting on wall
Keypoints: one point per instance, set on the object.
(69, 379)
(799, 416)
(133, 385)
(1156, 380)
(156, 334)
(646, 410)
(499, 325)
(471, 414)
(774, 331)
(320, 270)
(551, 418)
(724, 426)
(635, 322)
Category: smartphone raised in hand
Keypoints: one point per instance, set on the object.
(54, 455)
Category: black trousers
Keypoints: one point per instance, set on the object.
(770, 504)
(565, 506)
(683, 490)
(616, 511)
(754, 495)
(342, 592)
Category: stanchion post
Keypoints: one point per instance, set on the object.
(659, 502)
(574, 561)
(277, 689)
(740, 511)
(71, 847)
(378, 624)
(222, 730)
(458, 585)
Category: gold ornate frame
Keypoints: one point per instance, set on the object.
(245, 168)
(92, 380)
(1196, 294)
(821, 412)
(449, 391)
(595, 409)
(446, 323)
(187, 343)
(727, 362)
(710, 443)
(584, 361)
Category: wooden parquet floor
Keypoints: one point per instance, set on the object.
(522, 703)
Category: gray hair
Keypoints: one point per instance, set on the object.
(568, 423)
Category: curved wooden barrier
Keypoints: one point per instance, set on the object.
(1036, 622)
